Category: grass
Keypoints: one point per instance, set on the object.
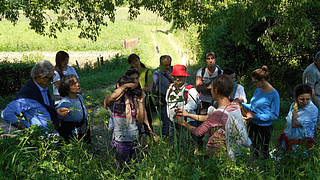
(32, 156)
(22, 39)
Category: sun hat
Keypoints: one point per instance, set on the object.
(179, 70)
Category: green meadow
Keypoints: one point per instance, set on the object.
(19, 38)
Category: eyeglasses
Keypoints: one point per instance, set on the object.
(50, 79)
(307, 100)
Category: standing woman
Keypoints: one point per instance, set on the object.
(71, 110)
(263, 109)
(61, 69)
(146, 83)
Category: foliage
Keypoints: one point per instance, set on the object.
(248, 34)
(13, 76)
(88, 16)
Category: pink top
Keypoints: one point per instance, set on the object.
(215, 119)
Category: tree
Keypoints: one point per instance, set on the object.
(49, 16)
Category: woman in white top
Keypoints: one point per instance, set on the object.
(61, 69)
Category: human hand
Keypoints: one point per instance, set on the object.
(130, 85)
(180, 120)
(63, 111)
(295, 106)
(238, 101)
(249, 115)
(181, 112)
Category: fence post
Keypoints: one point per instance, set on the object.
(78, 65)
(101, 60)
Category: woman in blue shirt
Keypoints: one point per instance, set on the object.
(71, 110)
(263, 109)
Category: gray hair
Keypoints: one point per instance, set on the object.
(42, 69)
(317, 56)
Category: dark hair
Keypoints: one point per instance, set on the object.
(213, 54)
(224, 85)
(131, 71)
(124, 80)
(133, 57)
(60, 57)
(228, 71)
(163, 57)
(301, 89)
(65, 83)
(131, 92)
(261, 73)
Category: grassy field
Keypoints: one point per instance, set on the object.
(20, 38)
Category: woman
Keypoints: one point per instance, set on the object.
(264, 107)
(301, 120)
(127, 107)
(222, 87)
(71, 110)
(146, 83)
(61, 69)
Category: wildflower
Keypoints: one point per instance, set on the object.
(107, 121)
(88, 97)
(89, 111)
(100, 137)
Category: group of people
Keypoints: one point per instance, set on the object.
(216, 102)
(34, 104)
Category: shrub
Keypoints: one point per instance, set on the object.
(13, 76)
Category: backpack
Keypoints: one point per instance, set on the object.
(203, 70)
(235, 133)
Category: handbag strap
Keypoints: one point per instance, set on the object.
(83, 113)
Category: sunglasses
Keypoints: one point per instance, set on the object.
(304, 100)
(50, 79)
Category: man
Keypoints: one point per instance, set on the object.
(33, 104)
(161, 82)
(311, 76)
(204, 78)
(182, 96)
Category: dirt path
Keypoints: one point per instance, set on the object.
(81, 56)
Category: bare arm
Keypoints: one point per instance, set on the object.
(183, 123)
(184, 113)
(117, 93)
(141, 114)
(200, 86)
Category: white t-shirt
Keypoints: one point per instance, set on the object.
(206, 79)
(240, 93)
(70, 70)
(177, 101)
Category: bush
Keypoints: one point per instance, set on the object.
(13, 76)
